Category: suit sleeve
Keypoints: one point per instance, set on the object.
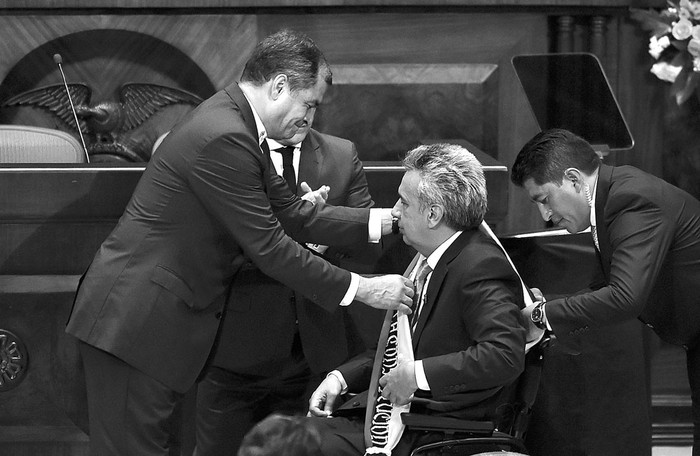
(229, 180)
(640, 237)
(361, 256)
(357, 371)
(490, 313)
(306, 222)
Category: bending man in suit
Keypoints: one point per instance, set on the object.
(254, 373)
(647, 235)
(149, 306)
(469, 336)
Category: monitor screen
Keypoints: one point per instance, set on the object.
(571, 91)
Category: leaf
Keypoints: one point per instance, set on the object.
(685, 86)
(651, 21)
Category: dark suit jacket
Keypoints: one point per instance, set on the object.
(649, 236)
(258, 301)
(470, 333)
(154, 293)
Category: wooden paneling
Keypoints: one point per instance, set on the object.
(443, 38)
(94, 4)
(201, 46)
(219, 44)
(198, 54)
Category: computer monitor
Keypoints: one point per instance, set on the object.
(571, 91)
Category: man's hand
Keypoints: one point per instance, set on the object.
(391, 292)
(315, 196)
(399, 384)
(323, 399)
(537, 293)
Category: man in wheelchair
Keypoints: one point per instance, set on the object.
(461, 351)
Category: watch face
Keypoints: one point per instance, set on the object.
(536, 316)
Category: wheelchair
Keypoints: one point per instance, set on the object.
(484, 438)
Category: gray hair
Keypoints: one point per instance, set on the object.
(452, 177)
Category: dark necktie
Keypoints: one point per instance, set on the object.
(288, 167)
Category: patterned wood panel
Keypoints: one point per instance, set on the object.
(199, 54)
(443, 38)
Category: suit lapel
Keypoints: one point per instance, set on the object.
(436, 281)
(310, 162)
(602, 191)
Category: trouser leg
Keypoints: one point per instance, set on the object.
(129, 412)
(340, 436)
(229, 404)
(227, 407)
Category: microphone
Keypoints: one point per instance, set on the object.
(58, 59)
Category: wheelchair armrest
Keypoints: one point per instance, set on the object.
(444, 424)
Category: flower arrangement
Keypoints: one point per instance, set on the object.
(674, 44)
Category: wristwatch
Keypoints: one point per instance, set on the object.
(537, 316)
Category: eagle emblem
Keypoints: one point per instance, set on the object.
(106, 126)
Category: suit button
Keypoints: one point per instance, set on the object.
(356, 404)
(218, 315)
(650, 326)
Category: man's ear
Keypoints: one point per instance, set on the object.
(277, 86)
(435, 214)
(574, 176)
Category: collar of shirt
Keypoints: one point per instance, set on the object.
(262, 133)
(434, 257)
(277, 157)
(595, 190)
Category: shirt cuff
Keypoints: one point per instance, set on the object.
(544, 317)
(352, 290)
(375, 224)
(421, 379)
(339, 376)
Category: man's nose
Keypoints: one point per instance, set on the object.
(395, 210)
(545, 212)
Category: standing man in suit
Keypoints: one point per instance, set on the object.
(149, 306)
(255, 373)
(647, 235)
(468, 338)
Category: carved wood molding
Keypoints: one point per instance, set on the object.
(198, 4)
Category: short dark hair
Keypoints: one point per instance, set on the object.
(282, 435)
(549, 153)
(291, 53)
